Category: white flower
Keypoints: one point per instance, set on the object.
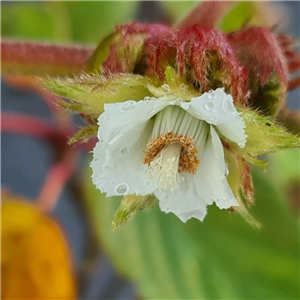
(169, 148)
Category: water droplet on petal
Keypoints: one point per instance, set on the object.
(165, 87)
(121, 188)
(147, 182)
(211, 94)
(147, 98)
(227, 106)
(209, 106)
(107, 167)
(167, 209)
(128, 105)
(183, 87)
(226, 200)
(124, 151)
(226, 172)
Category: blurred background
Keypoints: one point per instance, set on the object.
(221, 258)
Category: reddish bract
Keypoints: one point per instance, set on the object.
(196, 52)
(258, 50)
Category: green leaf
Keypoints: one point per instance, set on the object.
(285, 167)
(237, 16)
(35, 21)
(88, 94)
(248, 12)
(88, 21)
(220, 258)
(93, 20)
(178, 9)
(264, 136)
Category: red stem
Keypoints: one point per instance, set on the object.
(28, 125)
(35, 127)
(55, 181)
(24, 58)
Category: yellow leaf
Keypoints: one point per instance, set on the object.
(36, 261)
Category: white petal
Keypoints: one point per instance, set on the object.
(210, 180)
(121, 124)
(121, 171)
(184, 202)
(216, 108)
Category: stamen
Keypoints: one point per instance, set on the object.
(164, 167)
(188, 155)
(175, 146)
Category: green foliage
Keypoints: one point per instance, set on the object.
(240, 13)
(220, 258)
(288, 162)
(81, 21)
(36, 21)
(178, 9)
(88, 94)
(93, 20)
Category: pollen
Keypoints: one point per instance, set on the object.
(188, 161)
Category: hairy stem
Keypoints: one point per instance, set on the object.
(23, 58)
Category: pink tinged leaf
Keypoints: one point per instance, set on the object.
(207, 13)
(23, 58)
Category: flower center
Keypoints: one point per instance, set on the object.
(176, 142)
(164, 167)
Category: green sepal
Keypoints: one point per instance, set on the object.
(268, 98)
(235, 180)
(87, 94)
(264, 136)
(84, 134)
(99, 56)
(130, 205)
(176, 86)
(126, 52)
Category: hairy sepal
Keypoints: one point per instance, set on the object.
(258, 50)
(121, 51)
(240, 182)
(129, 206)
(174, 85)
(203, 56)
(264, 136)
(84, 134)
(87, 94)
